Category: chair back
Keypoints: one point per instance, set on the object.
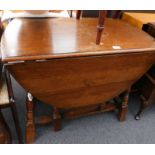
(1, 65)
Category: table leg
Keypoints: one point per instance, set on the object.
(124, 107)
(30, 125)
(56, 119)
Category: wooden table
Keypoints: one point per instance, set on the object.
(58, 62)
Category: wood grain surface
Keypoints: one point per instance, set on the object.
(35, 39)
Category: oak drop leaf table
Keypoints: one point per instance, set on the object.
(57, 61)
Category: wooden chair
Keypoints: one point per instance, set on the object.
(147, 91)
(7, 100)
(100, 26)
(146, 85)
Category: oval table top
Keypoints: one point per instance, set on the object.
(37, 39)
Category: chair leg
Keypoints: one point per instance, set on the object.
(13, 107)
(30, 125)
(78, 14)
(5, 133)
(124, 107)
(16, 120)
(71, 13)
(56, 119)
(116, 14)
(143, 105)
(100, 27)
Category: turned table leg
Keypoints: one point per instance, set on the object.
(124, 107)
(30, 125)
(56, 119)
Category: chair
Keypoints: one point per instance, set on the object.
(7, 100)
(100, 27)
(146, 91)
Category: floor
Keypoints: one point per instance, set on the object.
(96, 129)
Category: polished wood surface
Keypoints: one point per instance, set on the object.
(34, 39)
(58, 62)
(74, 82)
